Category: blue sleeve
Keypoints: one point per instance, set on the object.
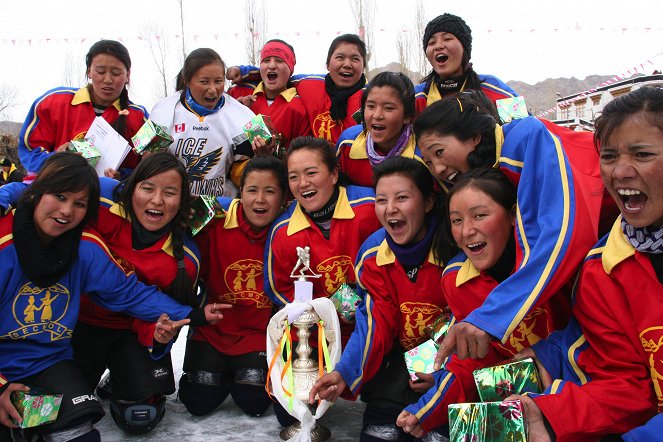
(545, 226)
(549, 352)
(107, 283)
(10, 193)
(431, 400)
(32, 157)
(652, 430)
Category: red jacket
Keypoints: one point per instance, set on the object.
(617, 304)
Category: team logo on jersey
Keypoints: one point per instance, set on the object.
(123, 263)
(38, 310)
(322, 126)
(198, 166)
(79, 136)
(531, 330)
(244, 278)
(335, 271)
(652, 341)
(179, 128)
(417, 316)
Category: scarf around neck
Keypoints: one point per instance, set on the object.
(644, 239)
(200, 109)
(414, 254)
(340, 96)
(450, 85)
(43, 264)
(376, 158)
(326, 212)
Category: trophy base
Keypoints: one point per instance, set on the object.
(318, 433)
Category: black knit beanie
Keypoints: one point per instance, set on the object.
(454, 25)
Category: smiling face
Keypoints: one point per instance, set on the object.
(108, 76)
(261, 198)
(310, 180)
(384, 116)
(631, 169)
(445, 155)
(275, 75)
(480, 226)
(401, 208)
(57, 213)
(345, 65)
(445, 54)
(207, 84)
(156, 200)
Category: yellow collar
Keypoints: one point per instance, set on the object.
(358, 149)
(386, 256)
(117, 209)
(435, 95)
(617, 248)
(299, 221)
(83, 96)
(287, 94)
(466, 272)
(499, 142)
(231, 221)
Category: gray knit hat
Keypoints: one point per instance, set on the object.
(454, 25)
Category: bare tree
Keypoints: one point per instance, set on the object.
(70, 76)
(182, 28)
(420, 23)
(364, 13)
(8, 97)
(403, 50)
(256, 28)
(157, 43)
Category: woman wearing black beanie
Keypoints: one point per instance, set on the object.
(448, 46)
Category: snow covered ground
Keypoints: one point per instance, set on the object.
(228, 423)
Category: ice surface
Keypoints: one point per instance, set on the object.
(228, 423)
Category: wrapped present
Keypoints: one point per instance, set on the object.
(260, 125)
(487, 422)
(346, 301)
(151, 137)
(358, 116)
(438, 329)
(511, 108)
(205, 209)
(87, 149)
(501, 381)
(421, 358)
(36, 409)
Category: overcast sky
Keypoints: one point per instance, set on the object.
(41, 41)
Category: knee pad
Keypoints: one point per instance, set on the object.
(376, 433)
(138, 417)
(104, 389)
(201, 391)
(253, 400)
(83, 432)
(251, 376)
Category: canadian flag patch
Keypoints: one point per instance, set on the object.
(179, 128)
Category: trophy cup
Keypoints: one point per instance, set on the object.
(304, 369)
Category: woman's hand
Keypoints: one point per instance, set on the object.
(213, 312)
(468, 340)
(262, 148)
(536, 427)
(410, 424)
(247, 100)
(545, 377)
(166, 329)
(63, 148)
(329, 387)
(7, 410)
(112, 173)
(425, 382)
(233, 74)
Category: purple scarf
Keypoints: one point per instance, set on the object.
(375, 158)
(411, 255)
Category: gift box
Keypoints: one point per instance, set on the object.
(87, 149)
(346, 301)
(501, 381)
(205, 209)
(151, 137)
(421, 358)
(438, 329)
(511, 109)
(36, 409)
(260, 125)
(487, 422)
(358, 116)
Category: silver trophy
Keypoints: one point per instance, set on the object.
(304, 369)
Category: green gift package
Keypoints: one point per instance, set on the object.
(487, 422)
(421, 358)
(36, 409)
(260, 125)
(87, 149)
(346, 301)
(510, 109)
(205, 209)
(151, 137)
(438, 329)
(501, 381)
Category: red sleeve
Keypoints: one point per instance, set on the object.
(144, 332)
